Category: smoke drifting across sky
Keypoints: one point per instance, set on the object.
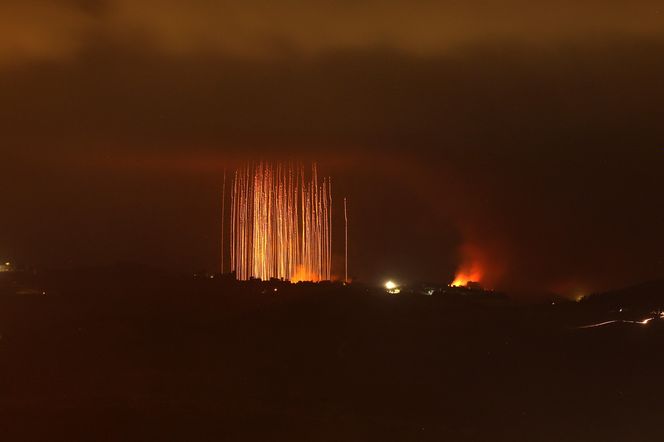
(527, 132)
(261, 28)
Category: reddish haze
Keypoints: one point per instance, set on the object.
(515, 142)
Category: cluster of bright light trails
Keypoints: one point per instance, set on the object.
(281, 223)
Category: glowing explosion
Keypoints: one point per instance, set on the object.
(471, 268)
(281, 223)
(466, 275)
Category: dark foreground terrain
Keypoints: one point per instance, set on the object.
(112, 356)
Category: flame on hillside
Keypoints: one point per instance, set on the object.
(471, 269)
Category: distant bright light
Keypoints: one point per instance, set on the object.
(392, 287)
(8, 264)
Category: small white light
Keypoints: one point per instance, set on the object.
(392, 287)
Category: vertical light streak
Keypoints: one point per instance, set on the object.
(345, 242)
(223, 221)
(281, 223)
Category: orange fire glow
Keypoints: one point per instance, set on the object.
(302, 274)
(463, 277)
(471, 269)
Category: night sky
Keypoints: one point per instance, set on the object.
(524, 136)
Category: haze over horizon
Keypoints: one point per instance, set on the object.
(526, 138)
